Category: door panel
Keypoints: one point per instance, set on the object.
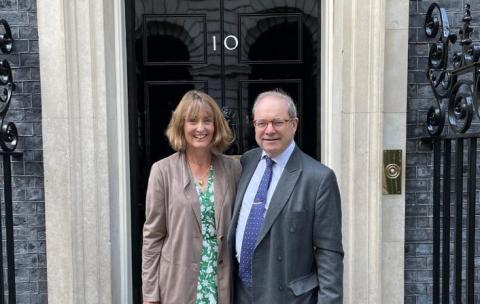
(160, 112)
(278, 48)
(187, 33)
(279, 31)
(249, 90)
(231, 49)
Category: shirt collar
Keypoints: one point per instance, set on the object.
(282, 158)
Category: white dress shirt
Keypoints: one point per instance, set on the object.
(280, 161)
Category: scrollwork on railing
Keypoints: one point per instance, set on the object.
(457, 98)
(8, 143)
(6, 39)
(8, 130)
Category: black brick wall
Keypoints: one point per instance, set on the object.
(419, 173)
(28, 191)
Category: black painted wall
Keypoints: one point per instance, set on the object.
(28, 191)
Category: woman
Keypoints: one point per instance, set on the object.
(188, 209)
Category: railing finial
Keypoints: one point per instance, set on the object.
(457, 100)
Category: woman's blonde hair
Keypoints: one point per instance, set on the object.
(188, 108)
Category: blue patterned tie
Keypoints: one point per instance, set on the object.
(254, 224)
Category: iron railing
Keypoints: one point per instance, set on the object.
(8, 143)
(456, 87)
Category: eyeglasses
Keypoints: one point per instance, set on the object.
(276, 123)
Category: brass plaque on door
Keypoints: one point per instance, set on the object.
(392, 171)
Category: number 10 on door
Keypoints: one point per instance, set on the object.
(230, 42)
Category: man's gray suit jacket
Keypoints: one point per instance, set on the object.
(298, 256)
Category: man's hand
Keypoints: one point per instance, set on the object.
(148, 302)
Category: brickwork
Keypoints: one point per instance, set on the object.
(27, 171)
(419, 173)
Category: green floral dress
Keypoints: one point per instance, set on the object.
(207, 277)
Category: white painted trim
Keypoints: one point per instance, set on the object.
(84, 119)
(352, 82)
(123, 289)
(327, 45)
(394, 137)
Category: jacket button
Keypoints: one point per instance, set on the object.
(279, 257)
(292, 229)
(220, 262)
(280, 287)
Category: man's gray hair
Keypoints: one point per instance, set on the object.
(292, 109)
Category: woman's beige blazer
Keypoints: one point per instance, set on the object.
(172, 237)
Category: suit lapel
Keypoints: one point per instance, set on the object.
(219, 190)
(282, 193)
(247, 173)
(248, 169)
(189, 189)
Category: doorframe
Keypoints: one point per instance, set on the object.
(359, 72)
(123, 286)
(86, 152)
(85, 149)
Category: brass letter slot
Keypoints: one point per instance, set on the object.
(392, 171)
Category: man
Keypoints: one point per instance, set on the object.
(286, 227)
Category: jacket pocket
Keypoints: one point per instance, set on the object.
(303, 284)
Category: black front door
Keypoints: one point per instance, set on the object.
(231, 49)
